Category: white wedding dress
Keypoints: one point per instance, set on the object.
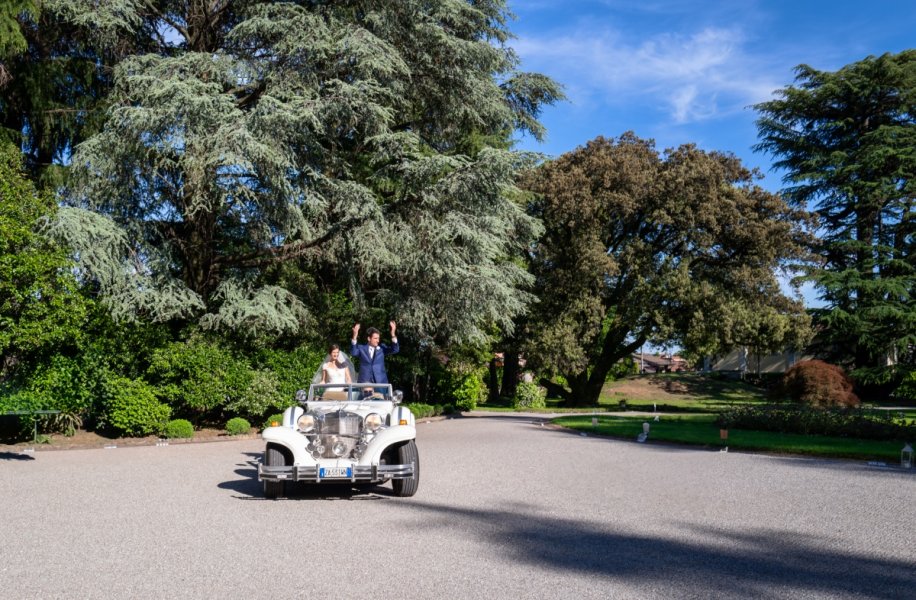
(335, 375)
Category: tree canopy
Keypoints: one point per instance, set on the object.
(362, 139)
(680, 247)
(847, 142)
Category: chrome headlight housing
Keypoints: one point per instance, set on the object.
(373, 422)
(306, 423)
(338, 446)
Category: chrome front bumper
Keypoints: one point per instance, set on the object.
(310, 473)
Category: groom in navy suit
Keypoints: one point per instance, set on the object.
(372, 354)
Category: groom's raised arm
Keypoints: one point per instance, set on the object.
(394, 348)
(353, 340)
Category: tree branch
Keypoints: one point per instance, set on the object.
(286, 252)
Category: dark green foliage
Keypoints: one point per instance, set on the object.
(292, 369)
(463, 387)
(847, 141)
(842, 422)
(818, 384)
(421, 410)
(12, 40)
(70, 384)
(238, 426)
(907, 389)
(623, 367)
(51, 85)
(130, 408)
(202, 379)
(178, 429)
(40, 305)
(529, 395)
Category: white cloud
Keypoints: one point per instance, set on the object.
(690, 77)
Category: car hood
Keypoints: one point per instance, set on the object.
(362, 409)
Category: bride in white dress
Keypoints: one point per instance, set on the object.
(336, 367)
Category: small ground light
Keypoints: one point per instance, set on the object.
(906, 456)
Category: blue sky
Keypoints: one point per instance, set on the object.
(680, 71)
(684, 71)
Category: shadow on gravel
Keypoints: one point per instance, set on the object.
(249, 488)
(15, 456)
(733, 564)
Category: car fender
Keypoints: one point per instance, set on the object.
(402, 413)
(384, 439)
(291, 439)
(291, 415)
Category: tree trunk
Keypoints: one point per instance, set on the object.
(493, 382)
(555, 390)
(585, 387)
(510, 373)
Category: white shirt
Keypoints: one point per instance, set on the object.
(372, 349)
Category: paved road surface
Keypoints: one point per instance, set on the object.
(506, 509)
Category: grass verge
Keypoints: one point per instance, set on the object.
(702, 430)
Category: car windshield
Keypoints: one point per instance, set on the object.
(349, 392)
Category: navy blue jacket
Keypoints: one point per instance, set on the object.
(372, 370)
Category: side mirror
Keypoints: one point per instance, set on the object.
(301, 396)
(397, 396)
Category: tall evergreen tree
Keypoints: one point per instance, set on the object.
(353, 135)
(681, 247)
(52, 81)
(847, 142)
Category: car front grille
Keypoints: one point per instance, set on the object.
(340, 427)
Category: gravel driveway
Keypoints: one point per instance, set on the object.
(506, 509)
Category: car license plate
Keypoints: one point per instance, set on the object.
(335, 472)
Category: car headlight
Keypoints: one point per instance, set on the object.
(306, 423)
(373, 421)
(338, 447)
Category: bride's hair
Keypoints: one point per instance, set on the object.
(340, 360)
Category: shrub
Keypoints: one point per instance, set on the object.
(529, 395)
(178, 428)
(259, 397)
(471, 391)
(841, 422)
(817, 383)
(66, 384)
(131, 408)
(17, 400)
(238, 426)
(423, 411)
(198, 378)
(275, 418)
(907, 388)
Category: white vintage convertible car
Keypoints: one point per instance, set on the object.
(342, 433)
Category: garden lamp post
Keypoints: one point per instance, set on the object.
(906, 456)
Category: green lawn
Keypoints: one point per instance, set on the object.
(668, 392)
(701, 430)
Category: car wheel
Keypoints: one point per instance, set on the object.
(407, 453)
(274, 489)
